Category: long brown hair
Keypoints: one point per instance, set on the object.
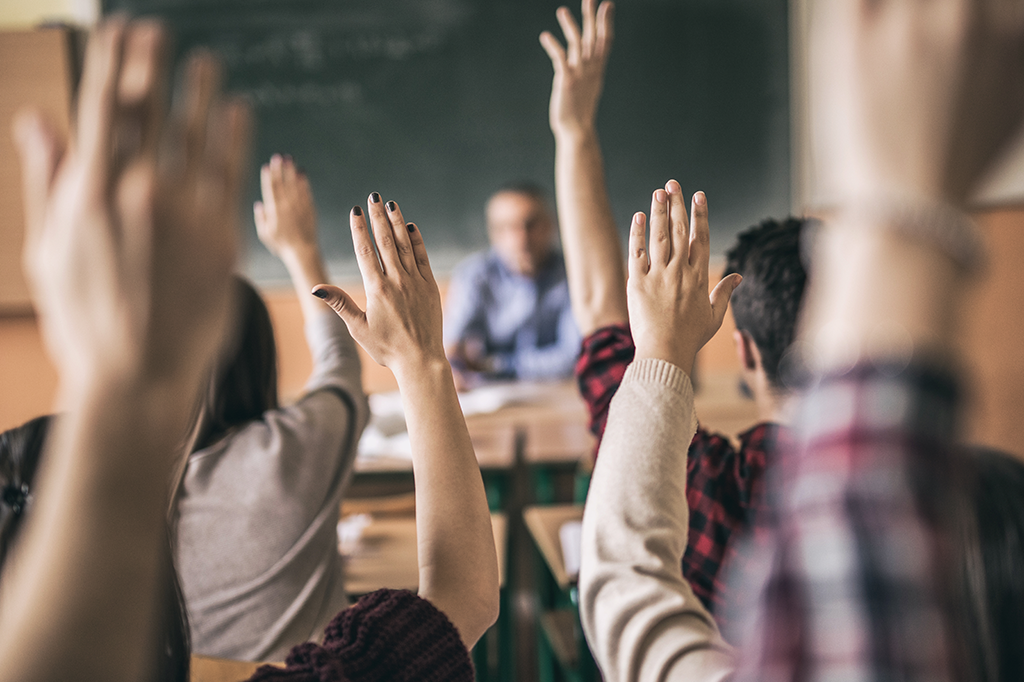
(243, 384)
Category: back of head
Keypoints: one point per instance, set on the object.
(767, 305)
(20, 451)
(993, 566)
(243, 385)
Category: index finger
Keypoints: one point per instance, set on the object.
(571, 32)
(141, 91)
(97, 99)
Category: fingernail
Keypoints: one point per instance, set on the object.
(700, 199)
(357, 211)
(320, 293)
(391, 205)
(375, 198)
(660, 196)
(673, 186)
(411, 227)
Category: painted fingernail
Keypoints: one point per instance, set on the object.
(375, 198)
(390, 205)
(700, 199)
(411, 227)
(357, 211)
(320, 293)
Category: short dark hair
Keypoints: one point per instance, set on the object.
(992, 559)
(766, 306)
(244, 382)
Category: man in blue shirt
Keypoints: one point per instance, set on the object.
(507, 313)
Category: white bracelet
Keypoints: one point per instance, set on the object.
(947, 228)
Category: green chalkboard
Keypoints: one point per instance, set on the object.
(435, 103)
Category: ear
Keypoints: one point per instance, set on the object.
(746, 350)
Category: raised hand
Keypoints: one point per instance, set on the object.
(401, 329)
(131, 225)
(401, 326)
(670, 312)
(286, 218)
(579, 66)
(915, 100)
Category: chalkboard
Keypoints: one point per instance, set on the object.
(435, 103)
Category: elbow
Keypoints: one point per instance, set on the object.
(482, 612)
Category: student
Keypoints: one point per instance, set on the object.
(258, 506)
(130, 249)
(21, 450)
(857, 567)
(725, 486)
(507, 314)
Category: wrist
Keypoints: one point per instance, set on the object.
(681, 358)
(422, 372)
(576, 133)
(302, 254)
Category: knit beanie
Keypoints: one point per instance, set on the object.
(391, 635)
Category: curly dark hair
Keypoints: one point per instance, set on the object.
(766, 306)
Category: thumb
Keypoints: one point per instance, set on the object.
(344, 306)
(40, 150)
(720, 297)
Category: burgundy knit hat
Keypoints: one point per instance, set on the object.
(388, 635)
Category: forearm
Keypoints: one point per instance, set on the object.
(90, 557)
(593, 253)
(641, 618)
(306, 270)
(458, 568)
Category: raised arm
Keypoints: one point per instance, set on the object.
(593, 254)
(286, 224)
(641, 617)
(401, 329)
(129, 251)
(920, 100)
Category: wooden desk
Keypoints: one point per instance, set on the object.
(205, 669)
(387, 555)
(544, 524)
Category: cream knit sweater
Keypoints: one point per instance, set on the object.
(640, 616)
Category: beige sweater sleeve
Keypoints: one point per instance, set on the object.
(640, 616)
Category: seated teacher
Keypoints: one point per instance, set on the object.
(507, 313)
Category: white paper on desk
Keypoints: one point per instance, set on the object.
(492, 397)
(571, 536)
(386, 434)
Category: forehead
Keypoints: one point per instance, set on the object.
(514, 206)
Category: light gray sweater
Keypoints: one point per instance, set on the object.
(257, 532)
(641, 618)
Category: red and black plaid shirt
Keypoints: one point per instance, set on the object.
(725, 486)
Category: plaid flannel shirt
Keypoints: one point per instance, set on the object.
(856, 566)
(725, 488)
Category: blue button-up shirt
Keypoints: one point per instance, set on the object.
(525, 324)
